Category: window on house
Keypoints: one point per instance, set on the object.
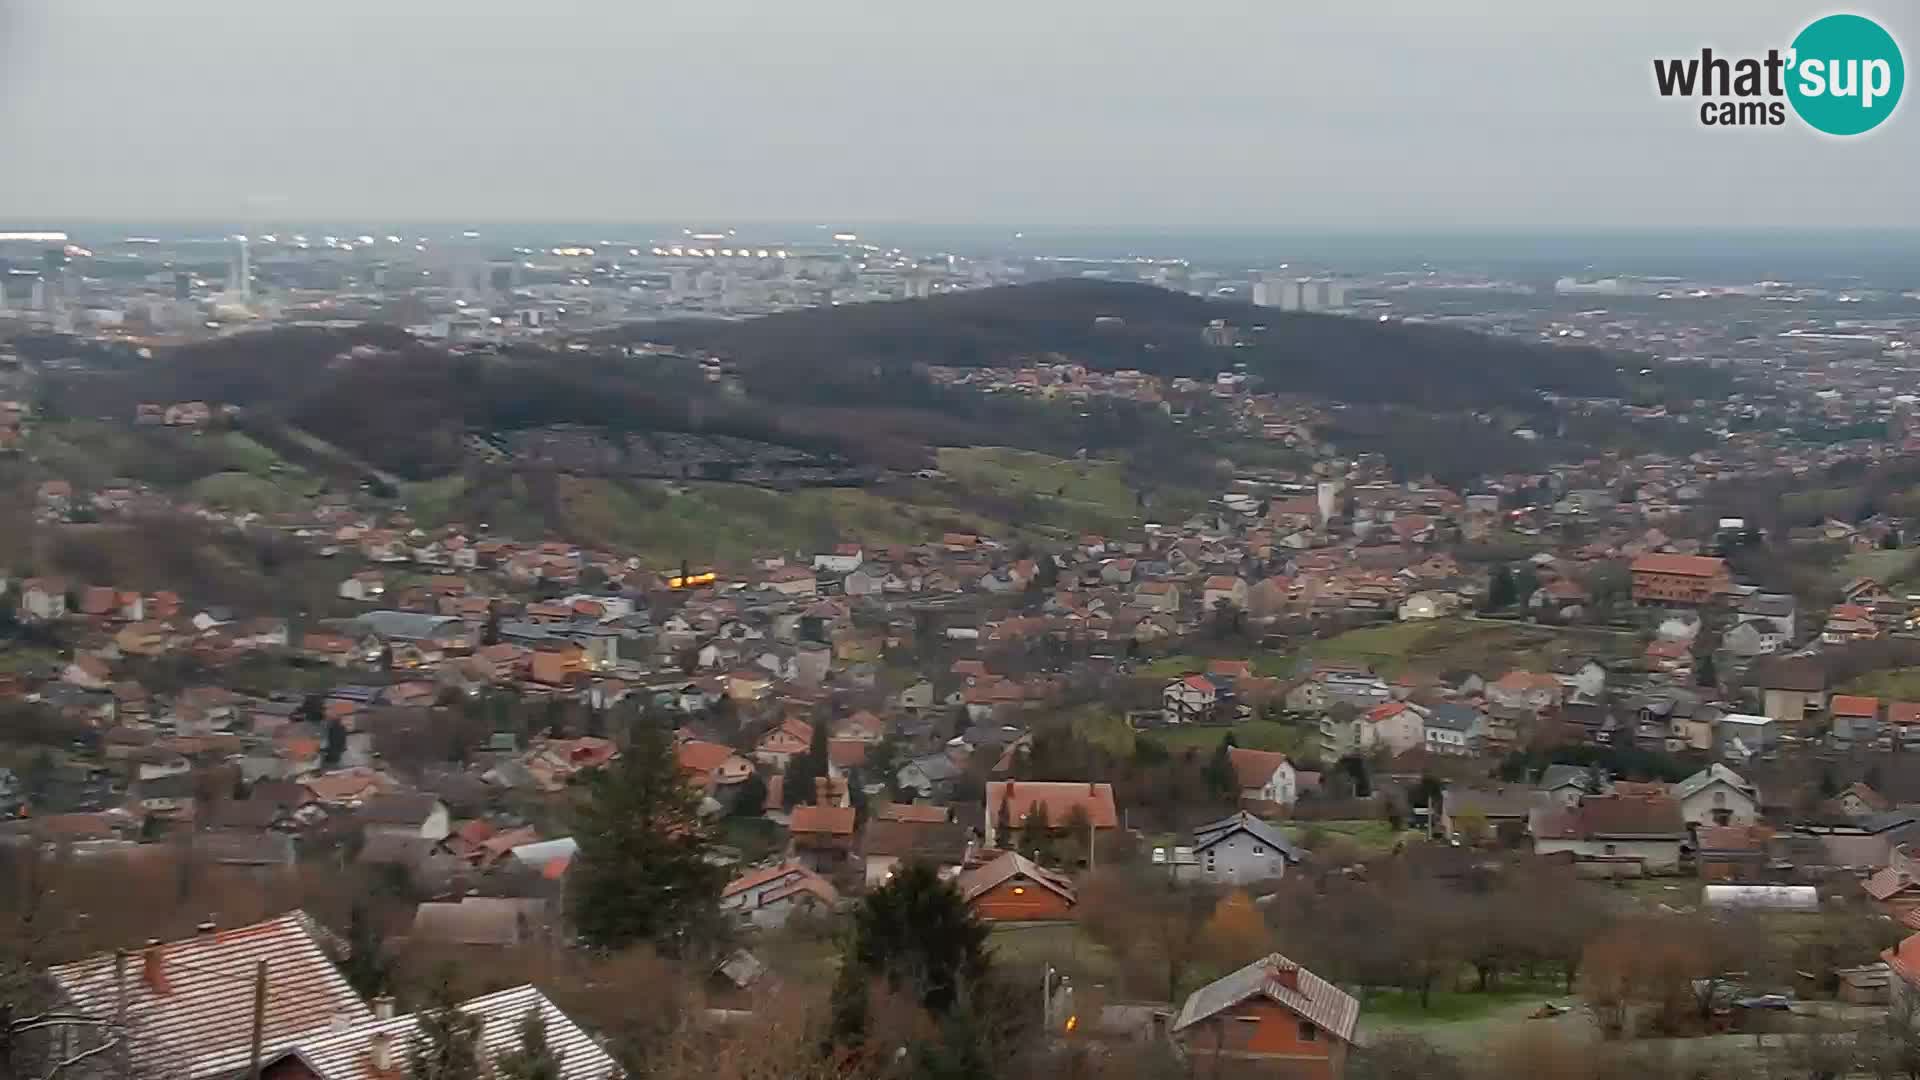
(1723, 817)
(1719, 798)
(1259, 849)
(1610, 850)
(1308, 1033)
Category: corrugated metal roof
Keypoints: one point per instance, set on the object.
(1312, 997)
(344, 1055)
(189, 1003)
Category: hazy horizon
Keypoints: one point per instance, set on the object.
(1380, 117)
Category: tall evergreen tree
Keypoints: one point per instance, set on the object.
(446, 1041)
(336, 747)
(366, 965)
(1501, 590)
(803, 769)
(642, 872)
(918, 934)
(535, 1059)
(1036, 832)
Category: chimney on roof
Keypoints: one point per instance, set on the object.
(383, 1007)
(822, 791)
(1092, 789)
(380, 1051)
(153, 966)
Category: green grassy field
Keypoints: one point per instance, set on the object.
(1253, 735)
(1491, 648)
(1881, 566)
(1373, 836)
(1895, 684)
(1063, 945)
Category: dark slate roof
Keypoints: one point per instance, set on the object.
(1205, 836)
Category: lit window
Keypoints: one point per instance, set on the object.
(1019, 890)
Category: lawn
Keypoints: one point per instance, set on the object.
(1489, 647)
(1063, 945)
(1898, 684)
(1373, 836)
(1253, 735)
(245, 491)
(1881, 566)
(1073, 495)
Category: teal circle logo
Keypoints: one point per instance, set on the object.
(1846, 75)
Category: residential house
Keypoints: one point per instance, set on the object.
(886, 842)
(43, 599)
(1428, 604)
(1856, 719)
(1643, 833)
(1741, 737)
(929, 777)
(366, 586)
(1480, 814)
(406, 814)
(1236, 850)
(1692, 580)
(1732, 852)
(768, 897)
(713, 765)
(820, 835)
(1792, 689)
(1012, 801)
(481, 922)
(1716, 795)
(1453, 729)
(793, 737)
(379, 1049)
(1159, 596)
(190, 997)
(1779, 610)
(1264, 777)
(1526, 691)
(1013, 888)
(1223, 589)
(1272, 1017)
(1189, 700)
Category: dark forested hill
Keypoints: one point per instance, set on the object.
(856, 351)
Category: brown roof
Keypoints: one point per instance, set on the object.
(186, 999)
(1796, 673)
(1254, 767)
(943, 842)
(822, 820)
(1887, 882)
(917, 812)
(1008, 867)
(847, 753)
(1855, 705)
(1615, 815)
(699, 756)
(1060, 799)
(1704, 566)
(479, 920)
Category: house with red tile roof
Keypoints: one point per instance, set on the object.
(713, 764)
(1013, 800)
(1264, 777)
(1012, 888)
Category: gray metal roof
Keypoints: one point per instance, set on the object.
(1312, 997)
(406, 625)
(1205, 836)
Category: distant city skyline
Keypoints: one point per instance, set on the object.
(1365, 117)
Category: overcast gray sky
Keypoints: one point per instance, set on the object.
(1343, 113)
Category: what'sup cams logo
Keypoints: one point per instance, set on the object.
(1842, 75)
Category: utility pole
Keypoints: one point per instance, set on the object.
(259, 1016)
(125, 1050)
